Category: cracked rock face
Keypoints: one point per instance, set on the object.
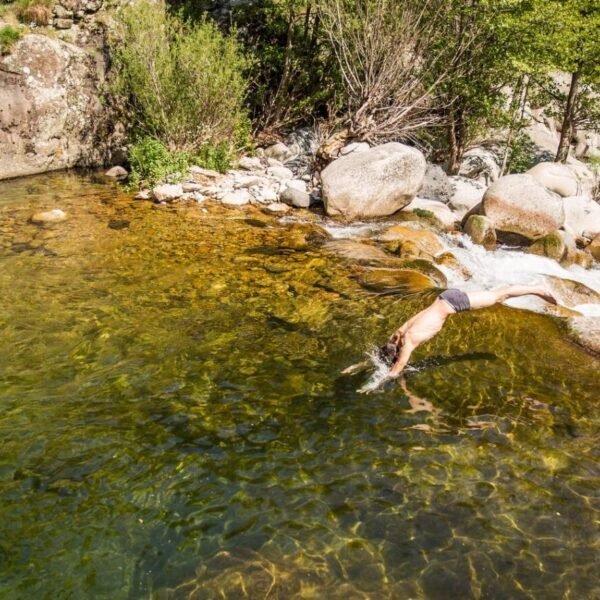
(50, 113)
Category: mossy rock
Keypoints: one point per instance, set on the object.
(551, 245)
(481, 231)
(427, 268)
(400, 282)
(302, 236)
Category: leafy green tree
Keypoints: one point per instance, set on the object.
(183, 83)
(562, 35)
(477, 40)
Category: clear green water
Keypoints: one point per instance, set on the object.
(173, 423)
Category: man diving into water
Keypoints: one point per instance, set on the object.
(427, 323)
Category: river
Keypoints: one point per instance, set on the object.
(174, 421)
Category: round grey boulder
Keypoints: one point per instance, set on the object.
(436, 185)
(295, 197)
(375, 183)
(117, 172)
(167, 192)
(557, 178)
(49, 216)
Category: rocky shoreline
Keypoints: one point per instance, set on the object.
(548, 210)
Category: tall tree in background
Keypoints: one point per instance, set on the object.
(478, 45)
(577, 51)
(562, 35)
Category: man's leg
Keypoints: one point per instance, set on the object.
(486, 298)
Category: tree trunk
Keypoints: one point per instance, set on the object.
(566, 132)
(456, 142)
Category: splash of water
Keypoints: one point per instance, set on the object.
(379, 376)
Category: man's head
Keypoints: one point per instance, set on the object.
(390, 351)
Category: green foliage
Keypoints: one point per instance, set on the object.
(152, 162)
(521, 154)
(183, 82)
(293, 76)
(423, 213)
(8, 37)
(218, 157)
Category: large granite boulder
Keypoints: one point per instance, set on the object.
(582, 217)
(50, 113)
(436, 185)
(557, 178)
(374, 183)
(519, 204)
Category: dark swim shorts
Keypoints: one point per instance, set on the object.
(457, 300)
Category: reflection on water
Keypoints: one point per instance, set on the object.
(175, 423)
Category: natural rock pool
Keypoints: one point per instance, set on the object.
(174, 423)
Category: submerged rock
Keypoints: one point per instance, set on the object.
(357, 250)
(425, 267)
(277, 208)
(518, 204)
(49, 216)
(374, 183)
(395, 281)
